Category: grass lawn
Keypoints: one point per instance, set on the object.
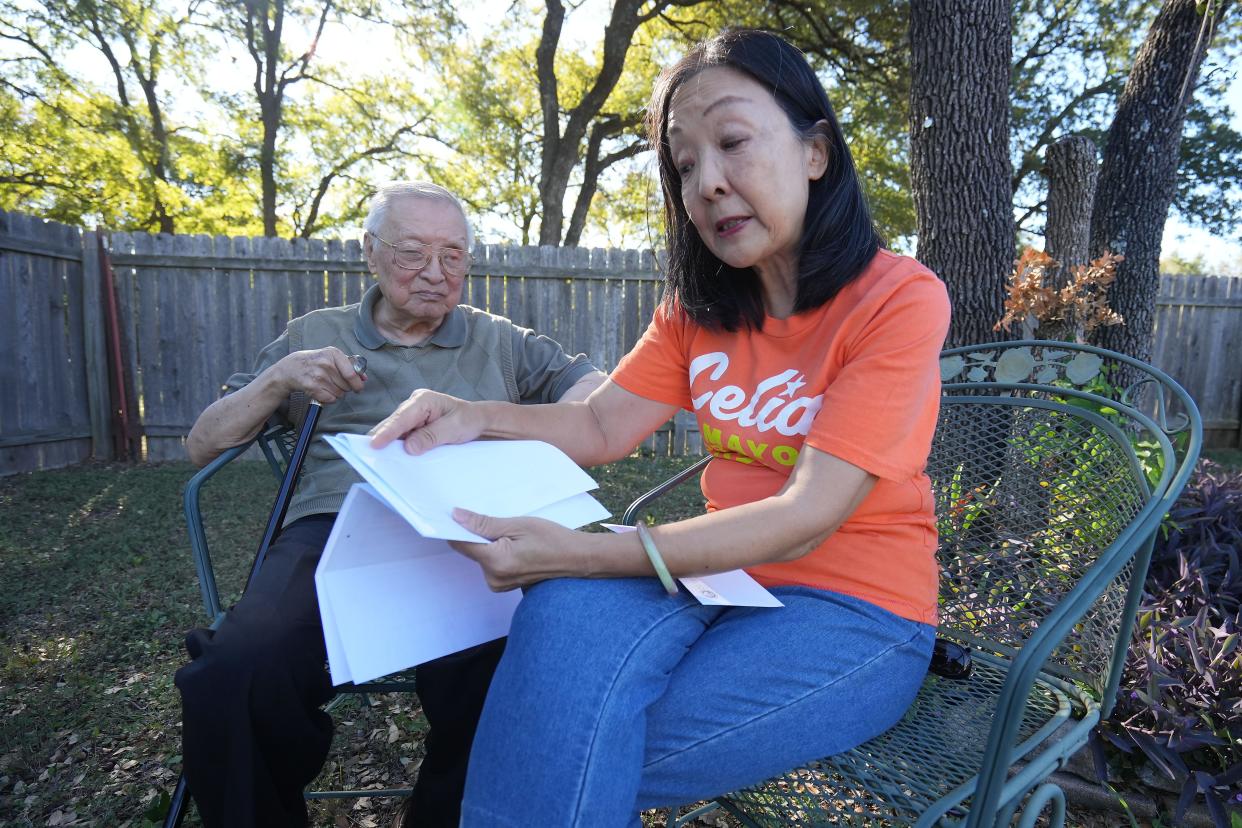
(98, 590)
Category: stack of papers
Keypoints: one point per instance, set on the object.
(392, 592)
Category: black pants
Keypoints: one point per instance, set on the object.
(253, 733)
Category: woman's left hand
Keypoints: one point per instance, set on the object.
(523, 550)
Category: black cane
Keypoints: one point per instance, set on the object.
(281, 506)
(290, 481)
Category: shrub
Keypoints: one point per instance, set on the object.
(1067, 311)
(1180, 703)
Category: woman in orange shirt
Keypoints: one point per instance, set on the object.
(809, 355)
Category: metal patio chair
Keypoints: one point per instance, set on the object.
(1046, 519)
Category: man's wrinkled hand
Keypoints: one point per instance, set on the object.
(324, 374)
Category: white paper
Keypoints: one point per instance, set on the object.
(501, 478)
(390, 599)
(392, 593)
(726, 589)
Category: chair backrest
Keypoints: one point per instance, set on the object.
(1047, 475)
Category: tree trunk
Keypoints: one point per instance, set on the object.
(562, 149)
(1138, 174)
(551, 181)
(1072, 171)
(959, 159)
(267, 170)
(270, 92)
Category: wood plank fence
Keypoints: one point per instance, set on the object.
(1198, 342)
(194, 309)
(52, 373)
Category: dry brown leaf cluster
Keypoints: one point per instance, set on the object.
(1076, 309)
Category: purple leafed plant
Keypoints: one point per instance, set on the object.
(1180, 702)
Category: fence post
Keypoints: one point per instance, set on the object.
(99, 401)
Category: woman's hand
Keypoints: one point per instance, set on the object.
(428, 419)
(522, 551)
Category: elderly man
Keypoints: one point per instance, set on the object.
(253, 731)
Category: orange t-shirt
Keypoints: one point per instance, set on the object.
(857, 378)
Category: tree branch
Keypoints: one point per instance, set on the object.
(304, 61)
(321, 189)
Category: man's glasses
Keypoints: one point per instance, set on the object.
(414, 256)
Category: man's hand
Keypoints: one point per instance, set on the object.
(324, 374)
(428, 419)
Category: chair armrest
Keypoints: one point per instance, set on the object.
(198, 534)
(642, 501)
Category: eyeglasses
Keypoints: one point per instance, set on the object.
(415, 256)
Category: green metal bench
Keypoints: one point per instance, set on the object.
(1046, 519)
(277, 445)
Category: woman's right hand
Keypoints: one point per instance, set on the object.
(324, 374)
(428, 419)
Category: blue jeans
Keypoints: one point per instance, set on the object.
(613, 698)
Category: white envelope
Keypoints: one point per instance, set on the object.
(724, 589)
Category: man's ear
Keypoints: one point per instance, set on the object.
(818, 151)
(368, 252)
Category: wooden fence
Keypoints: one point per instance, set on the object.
(194, 309)
(1199, 343)
(53, 379)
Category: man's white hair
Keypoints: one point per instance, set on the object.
(377, 216)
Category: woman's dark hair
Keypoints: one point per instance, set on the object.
(838, 236)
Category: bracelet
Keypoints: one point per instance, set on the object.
(657, 562)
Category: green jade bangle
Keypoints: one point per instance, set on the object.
(657, 561)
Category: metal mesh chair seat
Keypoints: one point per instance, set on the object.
(926, 763)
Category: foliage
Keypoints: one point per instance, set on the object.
(340, 138)
(1071, 60)
(1180, 706)
(308, 122)
(169, 135)
(87, 133)
(1172, 264)
(1077, 308)
(489, 121)
(129, 113)
(1210, 176)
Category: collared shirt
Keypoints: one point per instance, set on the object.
(473, 355)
